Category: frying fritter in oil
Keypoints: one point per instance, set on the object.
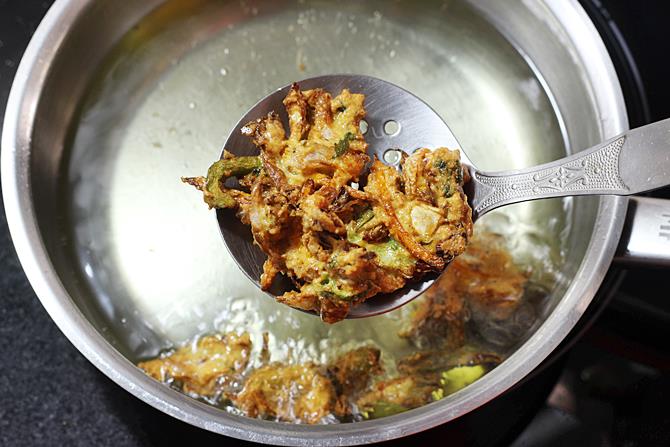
(484, 280)
(351, 374)
(340, 245)
(425, 377)
(431, 364)
(488, 278)
(308, 392)
(396, 395)
(299, 393)
(353, 385)
(215, 368)
(353, 370)
(207, 368)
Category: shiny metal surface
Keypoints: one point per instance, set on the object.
(154, 261)
(646, 239)
(512, 75)
(633, 162)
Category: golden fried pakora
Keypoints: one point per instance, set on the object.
(216, 368)
(488, 278)
(308, 392)
(351, 374)
(299, 393)
(483, 280)
(353, 385)
(423, 206)
(425, 377)
(338, 244)
(206, 368)
(353, 370)
(395, 396)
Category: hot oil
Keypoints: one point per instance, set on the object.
(169, 94)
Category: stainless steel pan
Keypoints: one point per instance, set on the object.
(113, 101)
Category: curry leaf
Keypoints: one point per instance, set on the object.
(342, 146)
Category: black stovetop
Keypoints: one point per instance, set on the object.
(613, 387)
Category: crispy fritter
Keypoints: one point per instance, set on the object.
(294, 393)
(307, 392)
(423, 206)
(429, 364)
(348, 387)
(488, 278)
(396, 395)
(325, 144)
(353, 370)
(206, 368)
(425, 377)
(216, 366)
(351, 373)
(483, 280)
(439, 318)
(337, 244)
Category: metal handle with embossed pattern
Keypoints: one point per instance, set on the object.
(634, 162)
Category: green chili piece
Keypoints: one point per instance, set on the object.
(382, 409)
(459, 377)
(365, 217)
(220, 171)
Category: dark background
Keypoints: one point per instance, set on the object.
(614, 389)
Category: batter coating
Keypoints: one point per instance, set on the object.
(340, 244)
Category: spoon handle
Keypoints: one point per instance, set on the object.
(633, 162)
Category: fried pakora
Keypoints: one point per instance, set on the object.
(215, 367)
(425, 377)
(483, 281)
(307, 392)
(299, 393)
(353, 385)
(353, 370)
(351, 374)
(423, 206)
(207, 368)
(339, 244)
